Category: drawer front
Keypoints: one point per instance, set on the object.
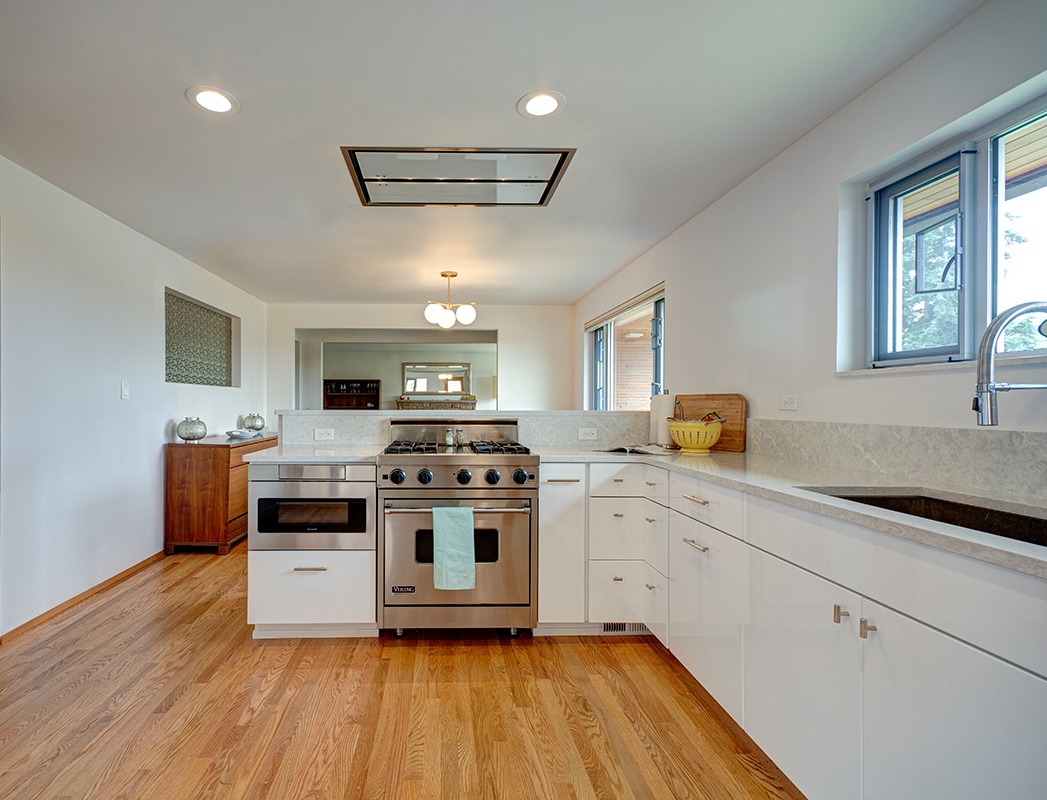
(656, 484)
(238, 451)
(614, 591)
(616, 527)
(654, 597)
(314, 586)
(656, 536)
(717, 506)
(238, 491)
(616, 480)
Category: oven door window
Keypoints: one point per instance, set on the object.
(485, 545)
(343, 515)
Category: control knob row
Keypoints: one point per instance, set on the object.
(425, 476)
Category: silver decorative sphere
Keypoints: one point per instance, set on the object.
(254, 422)
(191, 430)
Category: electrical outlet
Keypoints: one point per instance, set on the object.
(587, 434)
(788, 402)
(323, 434)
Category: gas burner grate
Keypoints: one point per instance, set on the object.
(501, 447)
(399, 447)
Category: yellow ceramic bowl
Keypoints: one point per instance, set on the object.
(695, 437)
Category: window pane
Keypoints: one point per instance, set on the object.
(1021, 230)
(918, 281)
(633, 367)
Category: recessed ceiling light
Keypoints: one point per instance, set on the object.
(541, 104)
(208, 98)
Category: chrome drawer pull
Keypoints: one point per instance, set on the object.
(650, 483)
(696, 546)
(648, 519)
(649, 586)
(864, 628)
(617, 515)
(310, 569)
(838, 612)
(697, 500)
(617, 579)
(618, 480)
(563, 480)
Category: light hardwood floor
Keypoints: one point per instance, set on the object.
(154, 689)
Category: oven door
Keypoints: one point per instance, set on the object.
(502, 543)
(311, 515)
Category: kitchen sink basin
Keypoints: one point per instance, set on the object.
(1009, 524)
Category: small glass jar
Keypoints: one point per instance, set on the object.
(254, 422)
(191, 429)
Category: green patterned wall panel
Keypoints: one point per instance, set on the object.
(199, 343)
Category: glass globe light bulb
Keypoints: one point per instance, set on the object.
(466, 314)
(446, 318)
(433, 312)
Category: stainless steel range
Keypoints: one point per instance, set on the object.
(484, 468)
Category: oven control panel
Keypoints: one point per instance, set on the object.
(504, 475)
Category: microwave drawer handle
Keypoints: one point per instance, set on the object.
(476, 510)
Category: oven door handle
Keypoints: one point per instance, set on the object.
(475, 509)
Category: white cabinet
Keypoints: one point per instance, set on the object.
(942, 720)
(654, 543)
(616, 527)
(654, 602)
(311, 587)
(803, 677)
(707, 571)
(656, 484)
(614, 591)
(617, 480)
(718, 506)
(561, 543)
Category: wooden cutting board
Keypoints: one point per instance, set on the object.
(732, 407)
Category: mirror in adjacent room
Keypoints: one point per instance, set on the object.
(434, 379)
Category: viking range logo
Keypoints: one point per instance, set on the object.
(403, 590)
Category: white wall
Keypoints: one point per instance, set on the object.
(535, 368)
(751, 281)
(82, 471)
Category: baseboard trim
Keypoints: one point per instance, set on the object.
(25, 627)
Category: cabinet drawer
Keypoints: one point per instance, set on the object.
(614, 591)
(656, 484)
(655, 538)
(654, 599)
(616, 480)
(616, 527)
(717, 506)
(237, 491)
(237, 452)
(310, 586)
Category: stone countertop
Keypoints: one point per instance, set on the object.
(782, 480)
(316, 454)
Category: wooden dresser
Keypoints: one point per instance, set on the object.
(207, 491)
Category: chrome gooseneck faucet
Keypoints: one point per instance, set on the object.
(985, 399)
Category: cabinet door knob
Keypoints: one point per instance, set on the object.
(864, 628)
(697, 500)
(838, 612)
(310, 569)
(696, 546)
(617, 579)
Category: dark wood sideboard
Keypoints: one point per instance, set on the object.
(207, 491)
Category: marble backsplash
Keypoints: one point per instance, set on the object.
(977, 459)
(537, 428)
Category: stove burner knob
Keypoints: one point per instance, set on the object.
(425, 476)
(519, 476)
(397, 476)
(463, 476)
(492, 476)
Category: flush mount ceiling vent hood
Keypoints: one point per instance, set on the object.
(456, 176)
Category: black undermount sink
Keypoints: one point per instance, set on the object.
(1009, 524)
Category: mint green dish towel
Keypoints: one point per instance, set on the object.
(454, 555)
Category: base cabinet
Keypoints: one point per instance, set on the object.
(802, 677)
(943, 720)
(614, 591)
(561, 544)
(311, 587)
(707, 571)
(654, 599)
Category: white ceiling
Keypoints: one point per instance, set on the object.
(669, 103)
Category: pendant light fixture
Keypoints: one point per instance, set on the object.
(446, 314)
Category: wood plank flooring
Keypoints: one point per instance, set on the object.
(154, 689)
